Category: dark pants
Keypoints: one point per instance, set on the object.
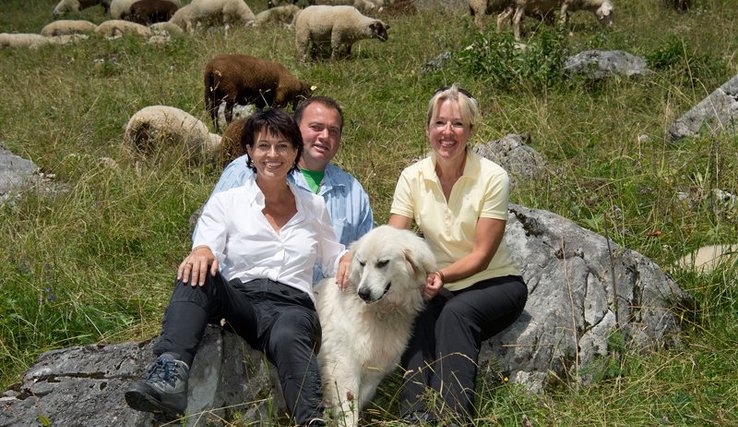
(272, 317)
(444, 349)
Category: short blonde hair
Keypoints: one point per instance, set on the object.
(468, 105)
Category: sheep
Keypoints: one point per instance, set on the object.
(148, 12)
(65, 6)
(158, 127)
(31, 40)
(479, 8)
(239, 112)
(166, 28)
(67, 26)
(230, 143)
(116, 27)
(603, 9)
(120, 7)
(364, 6)
(279, 14)
(341, 26)
(213, 12)
(249, 80)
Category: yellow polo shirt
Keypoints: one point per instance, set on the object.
(449, 227)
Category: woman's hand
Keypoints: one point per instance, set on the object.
(433, 284)
(194, 268)
(343, 269)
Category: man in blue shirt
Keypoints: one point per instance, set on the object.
(320, 119)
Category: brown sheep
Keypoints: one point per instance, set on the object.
(230, 143)
(246, 79)
(147, 12)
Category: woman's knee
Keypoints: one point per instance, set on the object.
(300, 325)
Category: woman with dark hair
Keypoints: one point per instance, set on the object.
(459, 202)
(251, 264)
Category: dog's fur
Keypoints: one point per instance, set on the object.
(367, 326)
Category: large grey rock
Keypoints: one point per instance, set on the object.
(84, 386)
(582, 289)
(515, 155)
(598, 64)
(715, 114)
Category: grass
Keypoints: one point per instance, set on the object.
(93, 263)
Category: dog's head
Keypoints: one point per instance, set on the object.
(390, 265)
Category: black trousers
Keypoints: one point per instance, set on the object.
(272, 317)
(444, 350)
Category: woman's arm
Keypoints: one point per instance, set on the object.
(400, 221)
(487, 238)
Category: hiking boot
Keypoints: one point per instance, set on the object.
(165, 388)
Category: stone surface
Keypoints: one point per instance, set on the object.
(515, 155)
(582, 290)
(715, 114)
(598, 64)
(16, 174)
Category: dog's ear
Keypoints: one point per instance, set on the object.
(420, 265)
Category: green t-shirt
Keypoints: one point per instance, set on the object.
(313, 178)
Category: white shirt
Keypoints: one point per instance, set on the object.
(246, 246)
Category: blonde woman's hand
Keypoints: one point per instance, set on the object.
(194, 268)
(433, 284)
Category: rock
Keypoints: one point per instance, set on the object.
(18, 174)
(573, 307)
(85, 385)
(598, 64)
(515, 156)
(715, 114)
(584, 292)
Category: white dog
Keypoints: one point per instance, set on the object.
(367, 327)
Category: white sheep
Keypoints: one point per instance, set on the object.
(159, 127)
(364, 6)
(117, 27)
(603, 9)
(118, 8)
(31, 40)
(166, 28)
(707, 258)
(339, 26)
(65, 6)
(479, 8)
(279, 14)
(68, 26)
(213, 12)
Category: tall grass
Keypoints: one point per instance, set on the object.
(93, 261)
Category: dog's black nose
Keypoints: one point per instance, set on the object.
(364, 294)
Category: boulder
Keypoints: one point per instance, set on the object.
(715, 114)
(515, 155)
(18, 174)
(598, 64)
(584, 290)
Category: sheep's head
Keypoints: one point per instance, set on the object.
(65, 6)
(605, 14)
(379, 30)
(306, 91)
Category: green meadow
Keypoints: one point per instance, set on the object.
(93, 261)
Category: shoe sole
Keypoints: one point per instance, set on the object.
(145, 403)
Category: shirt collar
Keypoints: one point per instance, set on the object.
(472, 166)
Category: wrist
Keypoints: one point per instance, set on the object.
(441, 276)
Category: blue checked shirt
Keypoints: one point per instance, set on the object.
(346, 200)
